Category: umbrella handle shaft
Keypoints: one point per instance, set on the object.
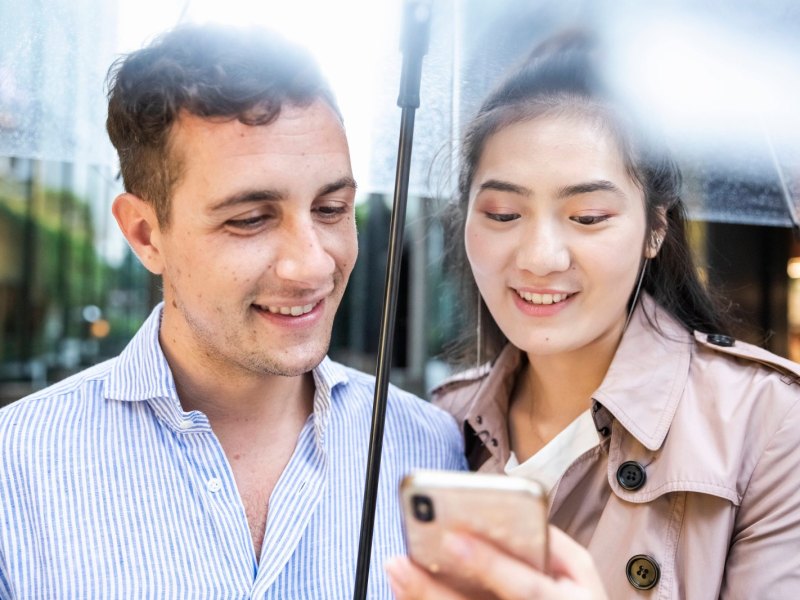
(396, 227)
(414, 45)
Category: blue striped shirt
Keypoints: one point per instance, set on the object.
(108, 489)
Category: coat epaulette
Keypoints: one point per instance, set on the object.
(727, 345)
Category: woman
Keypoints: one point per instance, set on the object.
(668, 448)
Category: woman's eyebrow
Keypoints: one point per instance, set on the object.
(504, 186)
(599, 185)
(587, 187)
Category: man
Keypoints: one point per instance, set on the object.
(221, 455)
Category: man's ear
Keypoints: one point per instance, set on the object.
(138, 222)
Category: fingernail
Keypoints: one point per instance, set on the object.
(397, 570)
(457, 546)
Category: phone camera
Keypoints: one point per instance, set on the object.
(423, 508)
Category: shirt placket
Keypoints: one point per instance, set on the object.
(216, 489)
(291, 507)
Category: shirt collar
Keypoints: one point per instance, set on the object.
(141, 371)
(327, 375)
(143, 356)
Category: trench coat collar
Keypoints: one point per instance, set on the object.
(648, 374)
(642, 387)
(485, 412)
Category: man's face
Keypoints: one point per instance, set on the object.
(260, 243)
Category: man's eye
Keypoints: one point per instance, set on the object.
(248, 223)
(331, 212)
(589, 219)
(502, 217)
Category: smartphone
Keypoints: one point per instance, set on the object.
(508, 511)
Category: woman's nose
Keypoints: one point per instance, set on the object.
(542, 250)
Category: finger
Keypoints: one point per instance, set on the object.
(481, 565)
(410, 582)
(570, 560)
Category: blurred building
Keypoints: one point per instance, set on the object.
(72, 294)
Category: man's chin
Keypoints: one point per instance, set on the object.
(295, 368)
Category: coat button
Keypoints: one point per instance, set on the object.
(719, 339)
(631, 475)
(642, 572)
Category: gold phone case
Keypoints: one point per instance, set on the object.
(509, 511)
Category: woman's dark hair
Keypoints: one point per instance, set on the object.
(560, 77)
(209, 71)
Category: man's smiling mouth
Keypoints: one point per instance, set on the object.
(294, 311)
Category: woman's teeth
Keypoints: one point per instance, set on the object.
(542, 298)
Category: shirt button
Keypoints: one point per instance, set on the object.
(186, 424)
(719, 339)
(631, 475)
(214, 485)
(642, 571)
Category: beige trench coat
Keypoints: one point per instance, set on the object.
(694, 488)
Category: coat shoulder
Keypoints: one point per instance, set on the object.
(454, 390)
(728, 346)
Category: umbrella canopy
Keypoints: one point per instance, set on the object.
(720, 80)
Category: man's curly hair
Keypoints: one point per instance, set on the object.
(210, 71)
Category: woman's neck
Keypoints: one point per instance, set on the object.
(553, 390)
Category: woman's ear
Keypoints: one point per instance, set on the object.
(657, 236)
(654, 243)
(138, 222)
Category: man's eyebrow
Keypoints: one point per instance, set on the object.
(599, 185)
(267, 195)
(339, 184)
(248, 196)
(504, 186)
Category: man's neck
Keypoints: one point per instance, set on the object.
(240, 399)
(269, 400)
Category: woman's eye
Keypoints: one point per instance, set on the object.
(502, 217)
(589, 219)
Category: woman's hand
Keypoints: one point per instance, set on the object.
(473, 564)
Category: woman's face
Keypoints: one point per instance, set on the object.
(555, 233)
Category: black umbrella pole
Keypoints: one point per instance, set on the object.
(396, 227)
(416, 24)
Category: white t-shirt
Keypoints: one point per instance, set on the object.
(549, 463)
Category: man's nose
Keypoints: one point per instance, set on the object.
(543, 250)
(303, 257)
